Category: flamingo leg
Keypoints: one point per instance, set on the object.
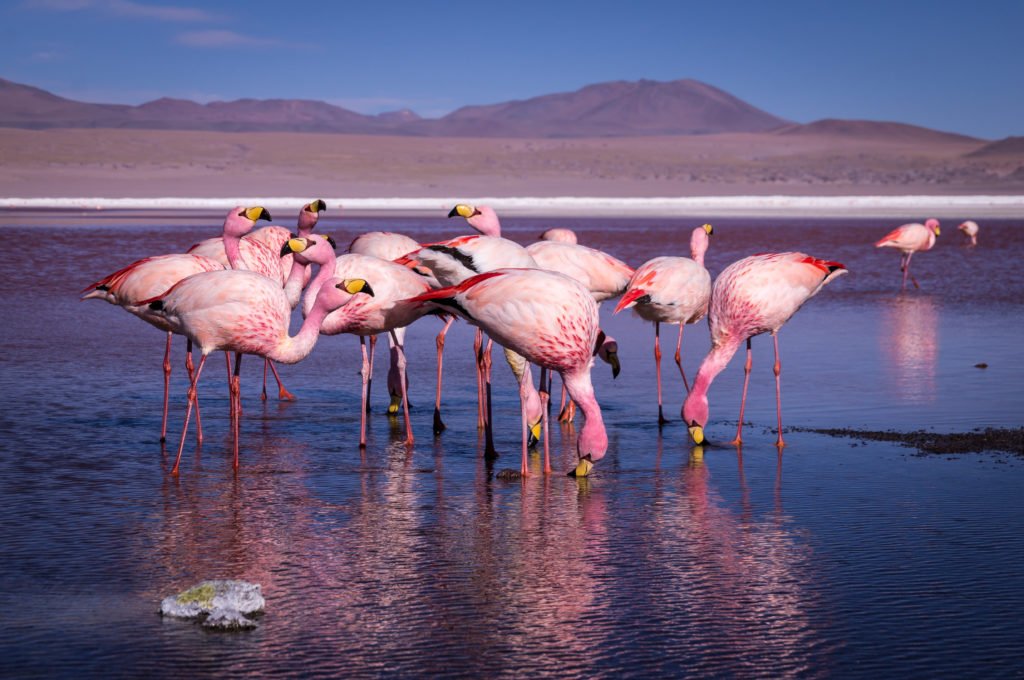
(263, 395)
(167, 387)
(439, 426)
(526, 378)
(365, 373)
(561, 404)
(743, 402)
(405, 396)
(282, 393)
(369, 376)
(478, 341)
(236, 390)
(489, 427)
(657, 362)
(777, 369)
(545, 402)
(679, 357)
(188, 413)
(907, 273)
(190, 368)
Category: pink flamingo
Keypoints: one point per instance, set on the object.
(549, 319)
(559, 234)
(672, 290)
(244, 312)
(752, 296)
(908, 239)
(390, 246)
(482, 218)
(970, 230)
(388, 311)
(153, 275)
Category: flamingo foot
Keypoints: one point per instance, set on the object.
(439, 426)
(284, 395)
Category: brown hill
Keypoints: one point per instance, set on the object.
(871, 130)
(1010, 146)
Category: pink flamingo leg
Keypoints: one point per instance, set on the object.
(190, 369)
(777, 369)
(405, 396)
(545, 398)
(263, 395)
(657, 362)
(236, 389)
(188, 413)
(488, 428)
(743, 402)
(561, 404)
(679, 357)
(282, 393)
(439, 426)
(478, 341)
(369, 374)
(523, 393)
(167, 387)
(365, 372)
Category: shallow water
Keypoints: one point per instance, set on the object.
(839, 559)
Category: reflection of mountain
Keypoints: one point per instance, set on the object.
(909, 326)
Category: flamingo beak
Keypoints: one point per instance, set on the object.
(613, 359)
(697, 432)
(462, 210)
(583, 468)
(533, 435)
(257, 213)
(294, 245)
(396, 402)
(629, 298)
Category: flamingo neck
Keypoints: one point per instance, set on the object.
(593, 440)
(233, 250)
(295, 348)
(293, 284)
(695, 407)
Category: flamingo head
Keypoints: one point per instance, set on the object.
(591, 446)
(241, 220)
(482, 218)
(313, 249)
(309, 215)
(630, 298)
(933, 224)
(699, 241)
(695, 415)
(608, 351)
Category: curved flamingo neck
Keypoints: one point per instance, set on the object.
(293, 284)
(295, 348)
(592, 440)
(233, 250)
(716, 360)
(698, 245)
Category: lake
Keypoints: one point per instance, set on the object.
(842, 557)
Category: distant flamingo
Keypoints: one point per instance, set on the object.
(388, 311)
(970, 230)
(908, 239)
(559, 234)
(246, 313)
(752, 296)
(549, 319)
(672, 290)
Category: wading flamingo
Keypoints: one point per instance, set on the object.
(752, 296)
(908, 239)
(246, 313)
(388, 311)
(550, 320)
(673, 290)
(970, 230)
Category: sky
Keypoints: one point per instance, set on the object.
(956, 66)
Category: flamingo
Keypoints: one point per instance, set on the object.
(390, 246)
(559, 234)
(752, 296)
(452, 262)
(244, 312)
(672, 290)
(153, 275)
(908, 239)
(970, 230)
(388, 311)
(482, 218)
(550, 320)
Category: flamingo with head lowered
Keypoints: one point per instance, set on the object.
(755, 295)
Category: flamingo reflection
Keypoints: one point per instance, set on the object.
(909, 335)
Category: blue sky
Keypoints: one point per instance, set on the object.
(955, 66)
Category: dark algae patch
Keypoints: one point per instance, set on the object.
(990, 439)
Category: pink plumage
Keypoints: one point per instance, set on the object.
(755, 295)
(909, 239)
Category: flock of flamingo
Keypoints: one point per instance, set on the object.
(236, 292)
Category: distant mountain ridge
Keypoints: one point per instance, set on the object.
(613, 109)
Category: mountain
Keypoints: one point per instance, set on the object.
(1008, 146)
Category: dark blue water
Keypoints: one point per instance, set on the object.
(842, 558)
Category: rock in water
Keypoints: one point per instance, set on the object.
(224, 603)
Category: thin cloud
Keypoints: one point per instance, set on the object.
(221, 39)
(126, 8)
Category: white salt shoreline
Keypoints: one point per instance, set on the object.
(911, 206)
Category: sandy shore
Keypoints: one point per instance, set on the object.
(709, 175)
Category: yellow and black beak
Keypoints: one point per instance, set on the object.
(257, 212)
(354, 286)
(697, 433)
(463, 210)
(613, 359)
(294, 245)
(708, 228)
(583, 468)
(316, 206)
